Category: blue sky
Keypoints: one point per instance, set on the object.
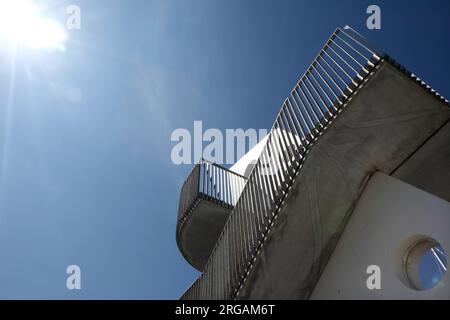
(85, 170)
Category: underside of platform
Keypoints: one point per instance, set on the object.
(200, 232)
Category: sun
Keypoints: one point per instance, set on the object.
(22, 24)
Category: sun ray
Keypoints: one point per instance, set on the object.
(22, 23)
(4, 155)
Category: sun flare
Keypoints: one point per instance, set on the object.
(21, 23)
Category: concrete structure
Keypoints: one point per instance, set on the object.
(387, 122)
(327, 142)
(389, 217)
(210, 191)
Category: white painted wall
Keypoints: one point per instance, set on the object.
(252, 155)
(389, 214)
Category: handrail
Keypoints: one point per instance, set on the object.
(212, 182)
(340, 67)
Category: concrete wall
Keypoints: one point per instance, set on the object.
(201, 231)
(389, 216)
(429, 167)
(386, 121)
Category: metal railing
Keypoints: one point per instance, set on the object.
(212, 182)
(337, 71)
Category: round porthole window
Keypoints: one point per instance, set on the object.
(424, 263)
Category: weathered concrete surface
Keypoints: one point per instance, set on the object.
(201, 231)
(383, 124)
(429, 168)
(389, 218)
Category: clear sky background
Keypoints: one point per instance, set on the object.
(85, 171)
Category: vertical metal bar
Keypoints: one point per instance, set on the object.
(227, 186)
(247, 233)
(223, 252)
(262, 199)
(259, 210)
(229, 190)
(222, 186)
(360, 43)
(344, 61)
(217, 182)
(334, 71)
(276, 163)
(211, 180)
(268, 182)
(296, 121)
(315, 115)
(242, 221)
(279, 152)
(269, 176)
(252, 216)
(225, 175)
(203, 177)
(256, 220)
(207, 178)
(232, 248)
(221, 189)
(296, 139)
(303, 110)
(285, 152)
(240, 236)
(366, 59)
(318, 94)
(289, 142)
(227, 264)
(351, 57)
(339, 66)
(226, 180)
(197, 189)
(233, 224)
(330, 100)
(236, 247)
(319, 116)
(232, 189)
(336, 97)
(181, 208)
(247, 225)
(331, 78)
(299, 110)
(293, 133)
(271, 145)
(214, 181)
